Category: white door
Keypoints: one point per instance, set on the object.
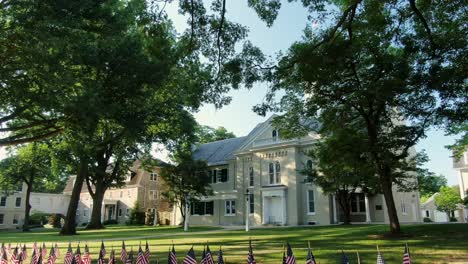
(275, 211)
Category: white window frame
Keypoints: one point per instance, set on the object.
(360, 211)
(16, 199)
(6, 198)
(153, 176)
(228, 205)
(308, 201)
(403, 207)
(276, 173)
(152, 195)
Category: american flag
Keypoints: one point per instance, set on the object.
(56, 250)
(123, 253)
(8, 250)
(406, 255)
(220, 256)
(208, 256)
(14, 256)
(69, 255)
(86, 257)
(4, 259)
(78, 255)
(39, 259)
(190, 258)
(380, 258)
(129, 259)
(34, 248)
(290, 259)
(172, 259)
(103, 249)
(52, 257)
(112, 257)
(141, 259)
(147, 252)
(344, 258)
(250, 257)
(101, 258)
(24, 253)
(43, 251)
(34, 256)
(310, 257)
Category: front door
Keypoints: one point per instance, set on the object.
(274, 210)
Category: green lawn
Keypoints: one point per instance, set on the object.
(436, 243)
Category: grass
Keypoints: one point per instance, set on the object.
(430, 243)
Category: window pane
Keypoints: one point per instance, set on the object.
(18, 201)
(362, 203)
(209, 208)
(272, 173)
(215, 176)
(251, 176)
(311, 202)
(224, 175)
(3, 201)
(228, 207)
(233, 207)
(278, 172)
(1, 218)
(251, 203)
(353, 203)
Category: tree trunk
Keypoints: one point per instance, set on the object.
(390, 202)
(69, 227)
(27, 207)
(95, 222)
(344, 202)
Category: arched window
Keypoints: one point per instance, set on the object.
(274, 134)
(278, 172)
(271, 173)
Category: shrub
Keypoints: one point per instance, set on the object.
(110, 222)
(427, 220)
(453, 219)
(38, 219)
(54, 220)
(137, 216)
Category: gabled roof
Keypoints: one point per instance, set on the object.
(218, 152)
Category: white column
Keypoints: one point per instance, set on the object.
(264, 212)
(247, 213)
(461, 184)
(335, 212)
(366, 199)
(284, 209)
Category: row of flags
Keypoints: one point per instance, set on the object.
(19, 255)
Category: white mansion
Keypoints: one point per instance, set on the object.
(265, 167)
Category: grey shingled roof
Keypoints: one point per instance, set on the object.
(218, 152)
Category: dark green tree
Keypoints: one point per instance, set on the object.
(188, 181)
(206, 134)
(33, 165)
(399, 66)
(430, 183)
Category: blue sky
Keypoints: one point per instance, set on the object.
(238, 116)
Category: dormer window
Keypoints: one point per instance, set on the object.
(274, 134)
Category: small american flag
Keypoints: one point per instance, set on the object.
(24, 253)
(406, 255)
(52, 257)
(39, 260)
(380, 258)
(344, 258)
(101, 258)
(44, 250)
(4, 259)
(250, 256)
(208, 256)
(172, 259)
(190, 258)
(69, 255)
(56, 250)
(14, 256)
(310, 257)
(86, 257)
(103, 249)
(147, 252)
(78, 255)
(34, 246)
(129, 259)
(34, 257)
(112, 257)
(290, 259)
(141, 259)
(123, 253)
(220, 256)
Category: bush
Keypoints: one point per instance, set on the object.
(427, 220)
(453, 219)
(137, 217)
(38, 219)
(54, 220)
(110, 222)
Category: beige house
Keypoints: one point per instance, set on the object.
(12, 208)
(50, 203)
(429, 210)
(141, 186)
(257, 176)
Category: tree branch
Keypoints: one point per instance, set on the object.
(420, 16)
